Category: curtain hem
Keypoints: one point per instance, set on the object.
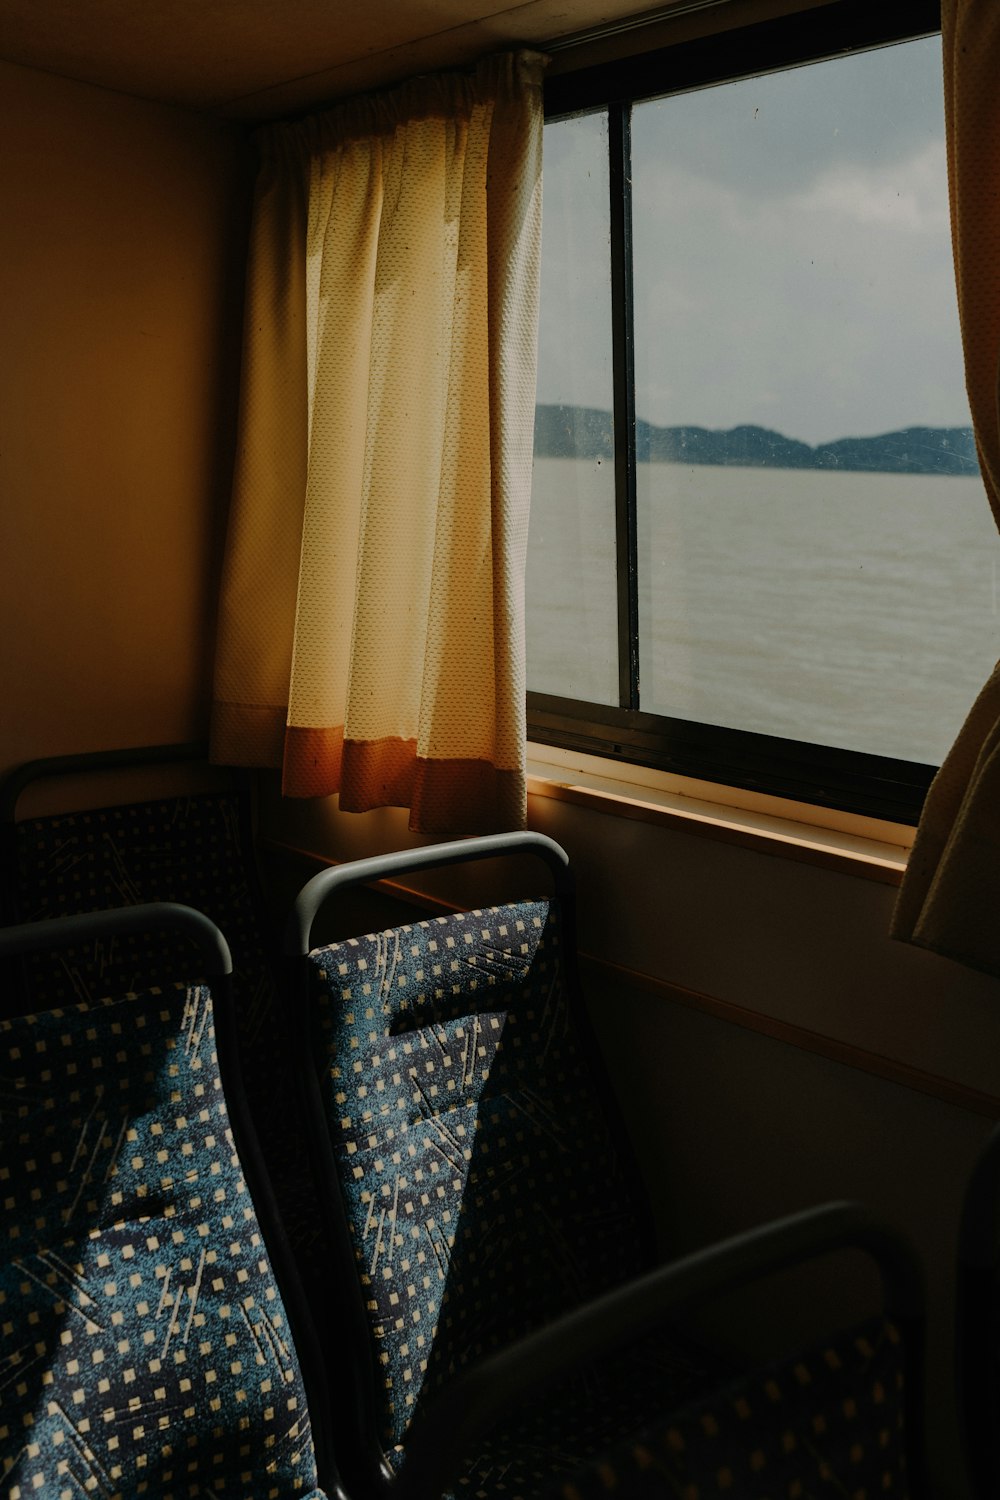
(447, 795)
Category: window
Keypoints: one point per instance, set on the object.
(759, 548)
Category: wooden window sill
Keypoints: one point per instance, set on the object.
(849, 843)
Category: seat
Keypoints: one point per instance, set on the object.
(504, 1329)
(193, 847)
(977, 1322)
(145, 1346)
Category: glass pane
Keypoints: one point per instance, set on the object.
(817, 557)
(572, 609)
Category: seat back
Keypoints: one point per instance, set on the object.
(475, 1169)
(830, 1420)
(193, 848)
(145, 1344)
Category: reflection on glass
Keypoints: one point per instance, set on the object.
(571, 589)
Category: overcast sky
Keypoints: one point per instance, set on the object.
(793, 262)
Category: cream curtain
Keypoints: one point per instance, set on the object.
(950, 900)
(371, 632)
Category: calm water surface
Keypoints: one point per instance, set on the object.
(858, 610)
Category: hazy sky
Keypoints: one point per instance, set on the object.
(793, 261)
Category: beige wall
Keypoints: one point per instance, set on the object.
(120, 265)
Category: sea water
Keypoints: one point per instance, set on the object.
(840, 608)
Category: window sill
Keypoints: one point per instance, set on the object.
(849, 843)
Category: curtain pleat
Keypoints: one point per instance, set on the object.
(371, 633)
(950, 898)
(264, 543)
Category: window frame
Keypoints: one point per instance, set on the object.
(826, 776)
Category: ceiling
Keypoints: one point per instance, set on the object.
(258, 59)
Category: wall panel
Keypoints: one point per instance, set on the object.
(121, 262)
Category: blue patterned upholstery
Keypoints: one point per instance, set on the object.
(188, 849)
(483, 1187)
(578, 1423)
(824, 1425)
(144, 1346)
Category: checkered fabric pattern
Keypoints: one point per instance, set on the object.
(576, 1423)
(826, 1425)
(144, 1347)
(189, 849)
(482, 1186)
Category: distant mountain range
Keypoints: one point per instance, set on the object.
(586, 432)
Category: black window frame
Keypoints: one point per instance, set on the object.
(826, 776)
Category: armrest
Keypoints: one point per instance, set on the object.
(443, 1436)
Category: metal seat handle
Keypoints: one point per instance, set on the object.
(62, 932)
(315, 892)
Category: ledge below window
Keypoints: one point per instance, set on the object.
(849, 843)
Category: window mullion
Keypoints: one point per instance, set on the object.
(623, 374)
